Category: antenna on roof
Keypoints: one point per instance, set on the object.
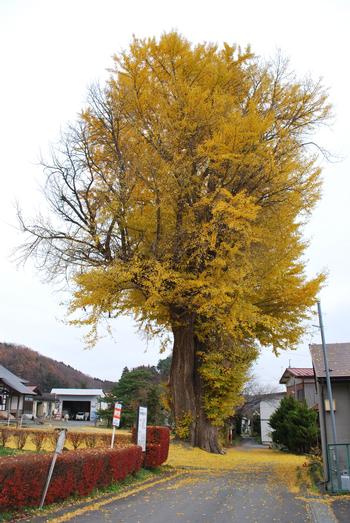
(289, 364)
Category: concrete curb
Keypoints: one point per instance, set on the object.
(321, 513)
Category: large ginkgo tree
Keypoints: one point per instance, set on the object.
(179, 197)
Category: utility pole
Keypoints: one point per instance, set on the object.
(328, 379)
(329, 389)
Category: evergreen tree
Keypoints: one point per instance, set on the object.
(139, 386)
(294, 425)
(163, 368)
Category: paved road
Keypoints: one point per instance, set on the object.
(217, 498)
(341, 509)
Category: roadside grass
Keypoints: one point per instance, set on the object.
(4, 451)
(282, 467)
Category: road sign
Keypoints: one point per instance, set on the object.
(142, 427)
(59, 447)
(116, 420)
(116, 414)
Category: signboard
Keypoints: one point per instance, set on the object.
(327, 405)
(116, 414)
(60, 441)
(142, 427)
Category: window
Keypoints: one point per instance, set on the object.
(3, 398)
(301, 394)
(28, 405)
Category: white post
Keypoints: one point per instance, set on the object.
(53, 462)
(58, 450)
(113, 436)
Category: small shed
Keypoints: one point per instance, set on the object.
(79, 404)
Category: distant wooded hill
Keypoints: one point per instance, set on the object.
(45, 372)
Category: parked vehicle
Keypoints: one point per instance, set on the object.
(82, 416)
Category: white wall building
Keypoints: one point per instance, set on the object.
(267, 407)
(74, 401)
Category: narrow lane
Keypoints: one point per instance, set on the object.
(199, 498)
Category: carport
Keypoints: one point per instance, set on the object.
(72, 401)
(72, 407)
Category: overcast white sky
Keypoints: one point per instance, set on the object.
(51, 50)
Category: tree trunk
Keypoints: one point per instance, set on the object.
(186, 387)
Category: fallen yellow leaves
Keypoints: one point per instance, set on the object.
(283, 467)
(98, 505)
(236, 458)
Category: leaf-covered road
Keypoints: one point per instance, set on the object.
(198, 497)
(248, 484)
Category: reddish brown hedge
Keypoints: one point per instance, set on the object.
(159, 436)
(157, 446)
(22, 478)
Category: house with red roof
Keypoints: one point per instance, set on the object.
(301, 384)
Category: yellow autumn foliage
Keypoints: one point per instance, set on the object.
(212, 198)
(185, 186)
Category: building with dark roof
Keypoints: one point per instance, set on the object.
(338, 359)
(16, 397)
(339, 369)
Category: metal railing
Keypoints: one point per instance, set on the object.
(339, 476)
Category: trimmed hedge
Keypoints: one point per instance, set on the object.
(157, 446)
(75, 439)
(22, 478)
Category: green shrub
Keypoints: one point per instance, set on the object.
(294, 425)
(315, 466)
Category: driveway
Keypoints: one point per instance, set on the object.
(196, 498)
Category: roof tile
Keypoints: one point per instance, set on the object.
(15, 382)
(338, 359)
